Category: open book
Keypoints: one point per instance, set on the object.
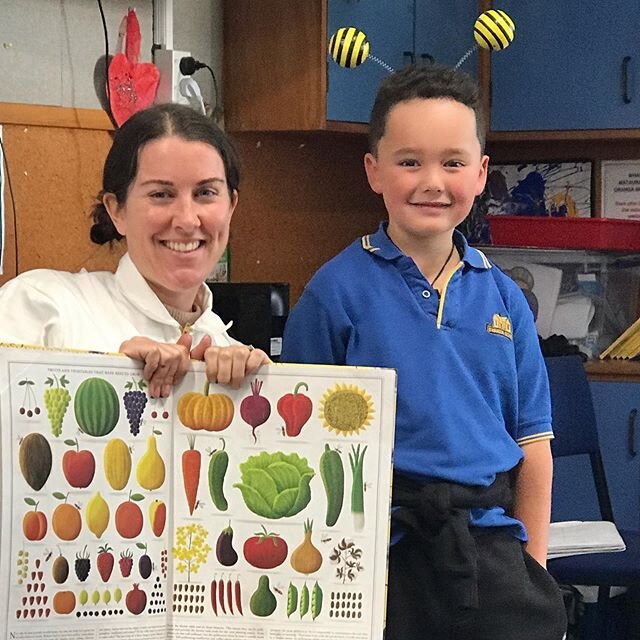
(214, 513)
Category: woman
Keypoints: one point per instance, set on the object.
(170, 186)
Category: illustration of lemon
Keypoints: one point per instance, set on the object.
(97, 514)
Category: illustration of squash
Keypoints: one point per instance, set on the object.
(203, 411)
(117, 463)
(35, 460)
(96, 407)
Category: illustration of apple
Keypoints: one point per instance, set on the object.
(78, 466)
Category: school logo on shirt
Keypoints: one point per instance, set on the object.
(501, 325)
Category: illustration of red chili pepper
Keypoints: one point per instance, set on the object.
(238, 597)
(230, 595)
(295, 409)
(214, 596)
(221, 595)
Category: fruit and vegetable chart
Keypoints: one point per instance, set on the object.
(87, 463)
(261, 512)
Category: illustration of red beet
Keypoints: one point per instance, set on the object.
(136, 600)
(295, 409)
(255, 409)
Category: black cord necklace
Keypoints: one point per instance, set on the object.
(446, 262)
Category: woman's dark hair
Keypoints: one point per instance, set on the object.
(423, 81)
(121, 165)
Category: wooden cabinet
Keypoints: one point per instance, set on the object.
(278, 76)
(572, 65)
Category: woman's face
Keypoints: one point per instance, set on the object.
(176, 216)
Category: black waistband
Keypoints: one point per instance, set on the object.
(437, 516)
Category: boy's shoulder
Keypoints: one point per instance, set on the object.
(345, 267)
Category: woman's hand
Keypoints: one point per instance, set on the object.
(164, 364)
(230, 365)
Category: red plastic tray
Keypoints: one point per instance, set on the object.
(565, 233)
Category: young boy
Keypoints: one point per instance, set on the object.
(472, 458)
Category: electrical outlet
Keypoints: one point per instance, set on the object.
(168, 63)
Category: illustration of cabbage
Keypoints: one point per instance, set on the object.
(275, 485)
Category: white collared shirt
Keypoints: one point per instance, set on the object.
(94, 311)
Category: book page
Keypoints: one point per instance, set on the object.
(271, 519)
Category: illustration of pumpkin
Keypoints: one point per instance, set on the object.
(117, 463)
(203, 411)
(35, 460)
(96, 407)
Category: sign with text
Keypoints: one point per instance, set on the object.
(621, 189)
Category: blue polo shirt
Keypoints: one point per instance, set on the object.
(472, 385)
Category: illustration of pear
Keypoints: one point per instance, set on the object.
(263, 603)
(97, 514)
(150, 470)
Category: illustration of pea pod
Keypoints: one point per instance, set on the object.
(304, 600)
(316, 601)
(218, 464)
(292, 599)
(332, 474)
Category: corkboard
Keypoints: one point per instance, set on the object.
(55, 172)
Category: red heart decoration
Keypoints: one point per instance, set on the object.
(132, 85)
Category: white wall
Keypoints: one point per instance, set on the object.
(49, 48)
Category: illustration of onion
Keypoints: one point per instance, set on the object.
(255, 409)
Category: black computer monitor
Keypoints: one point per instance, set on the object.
(258, 310)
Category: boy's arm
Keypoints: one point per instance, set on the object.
(532, 496)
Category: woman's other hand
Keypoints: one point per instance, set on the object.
(164, 364)
(231, 365)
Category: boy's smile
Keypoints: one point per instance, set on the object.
(429, 168)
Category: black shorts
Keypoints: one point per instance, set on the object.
(518, 599)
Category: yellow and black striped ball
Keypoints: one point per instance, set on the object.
(349, 47)
(494, 29)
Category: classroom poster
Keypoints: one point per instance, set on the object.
(258, 513)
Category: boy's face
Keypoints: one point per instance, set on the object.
(429, 167)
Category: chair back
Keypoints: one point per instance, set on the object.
(574, 421)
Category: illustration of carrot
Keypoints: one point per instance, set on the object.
(191, 459)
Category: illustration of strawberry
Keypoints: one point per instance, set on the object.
(104, 562)
(126, 563)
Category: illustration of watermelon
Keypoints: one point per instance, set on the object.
(96, 406)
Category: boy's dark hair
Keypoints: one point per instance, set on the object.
(423, 81)
(121, 165)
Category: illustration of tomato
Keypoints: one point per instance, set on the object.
(295, 409)
(265, 550)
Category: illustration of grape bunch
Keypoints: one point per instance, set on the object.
(56, 401)
(135, 400)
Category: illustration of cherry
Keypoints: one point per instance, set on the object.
(29, 402)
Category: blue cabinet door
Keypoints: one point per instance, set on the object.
(444, 32)
(613, 403)
(388, 25)
(564, 69)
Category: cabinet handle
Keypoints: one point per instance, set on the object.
(631, 433)
(625, 79)
(427, 58)
(409, 57)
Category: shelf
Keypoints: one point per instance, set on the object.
(594, 257)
